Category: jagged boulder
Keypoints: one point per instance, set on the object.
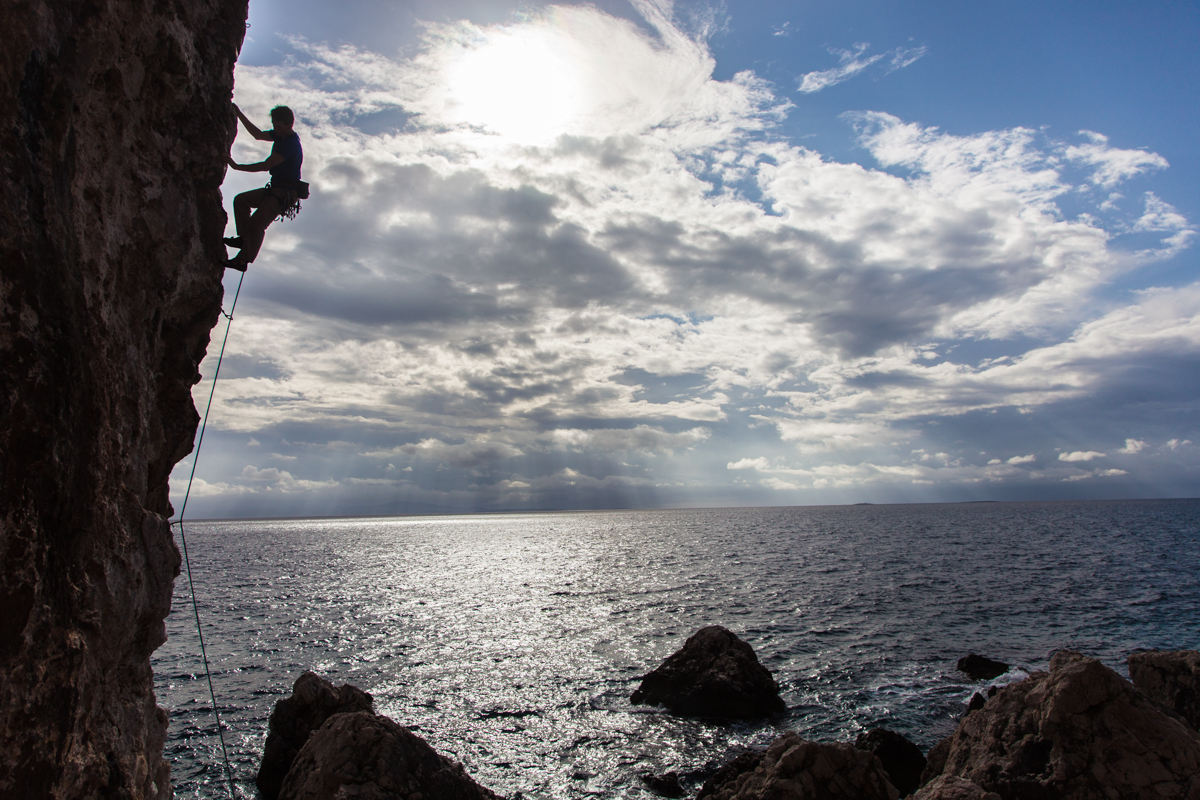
(979, 668)
(714, 674)
(1078, 732)
(313, 701)
(902, 760)
(794, 769)
(935, 762)
(369, 757)
(1171, 679)
(727, 775)
(948, 787)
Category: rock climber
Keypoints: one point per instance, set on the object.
(255, 210)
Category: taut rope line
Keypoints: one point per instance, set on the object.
(183, 538)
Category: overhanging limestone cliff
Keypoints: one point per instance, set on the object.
(114, 124)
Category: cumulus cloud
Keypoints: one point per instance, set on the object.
(1080, 455)
(607, 261)
(759, 463)
(1133, 446)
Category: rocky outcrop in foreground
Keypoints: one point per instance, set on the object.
(1171, 679)
(114, 126)
(1078, 732)
(364, 755)
(794, 768)
(325, 742)
(313, 701)
(714, 674)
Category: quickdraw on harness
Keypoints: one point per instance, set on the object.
(289, 194)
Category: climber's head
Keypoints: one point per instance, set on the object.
(282, 118)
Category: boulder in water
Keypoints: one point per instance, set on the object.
(1171, 679)
(794, 769)
(979, 668)
(665, 785)
(714, 674)
(1078, 732)
(369, 757)
(294, 718)
(902, 760)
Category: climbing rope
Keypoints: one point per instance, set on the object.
(183, 538)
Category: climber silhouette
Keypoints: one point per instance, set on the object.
(279, 198)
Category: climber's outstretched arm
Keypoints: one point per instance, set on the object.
(254, 130)
(261, 166)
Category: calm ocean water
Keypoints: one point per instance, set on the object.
(512, 642)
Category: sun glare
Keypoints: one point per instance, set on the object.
(521, 84)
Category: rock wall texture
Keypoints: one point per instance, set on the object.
(948, 787)
(114, 124)
(1171, 679)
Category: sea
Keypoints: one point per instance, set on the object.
(512, 642)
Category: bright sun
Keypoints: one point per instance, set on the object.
(523, 85)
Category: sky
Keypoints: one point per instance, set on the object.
(638, 254)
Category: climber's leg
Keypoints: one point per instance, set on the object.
(253, 213)
(252, 239)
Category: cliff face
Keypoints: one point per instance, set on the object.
(114, 124)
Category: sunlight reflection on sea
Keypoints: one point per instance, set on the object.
(512, 642)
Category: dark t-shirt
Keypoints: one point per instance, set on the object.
(288, 146)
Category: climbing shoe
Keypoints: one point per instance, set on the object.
(233, 241)
(236, 263)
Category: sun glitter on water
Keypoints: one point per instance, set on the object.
(522, 84)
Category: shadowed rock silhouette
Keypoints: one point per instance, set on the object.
(714, 674)
(293, 720)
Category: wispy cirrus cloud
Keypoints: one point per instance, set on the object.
(1112, 165)
(855, 60)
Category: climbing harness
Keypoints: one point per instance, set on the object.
(183, 538)
(289, 194)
